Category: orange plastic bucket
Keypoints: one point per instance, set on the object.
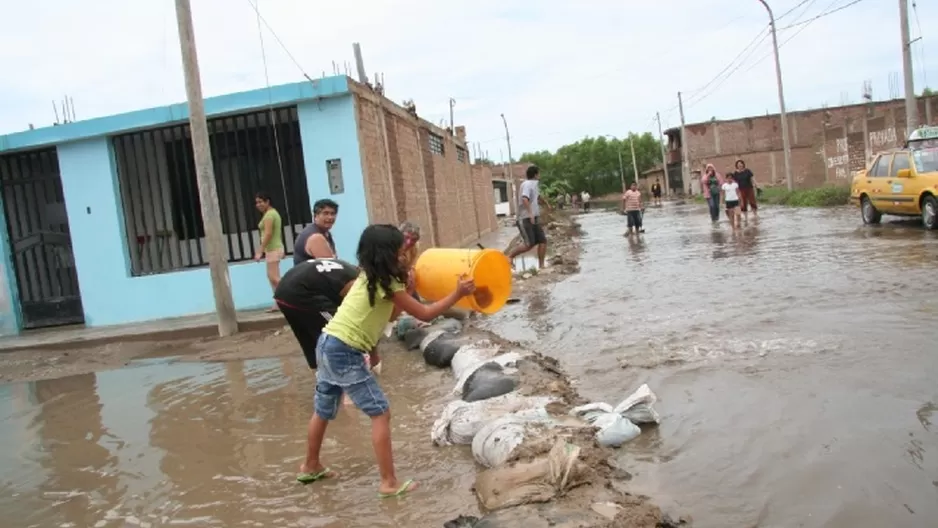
(438, 269)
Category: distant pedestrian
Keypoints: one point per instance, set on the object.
(711, 182)
(656, 192)
(529, 218)
(585, 196)
(575, 202)
(632, 205)
(730, 191)
(747, 189)
(271, 246)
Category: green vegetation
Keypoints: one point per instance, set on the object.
(592, 164)
(826, 196)
(928, 92)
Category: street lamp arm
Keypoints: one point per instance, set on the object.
(786, 146)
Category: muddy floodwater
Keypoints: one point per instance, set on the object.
(795, 362)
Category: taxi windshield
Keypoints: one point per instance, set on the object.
(925, 155)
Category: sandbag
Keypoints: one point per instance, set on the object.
(413, 338)
(615, 425)
(497, 440)
(539, 480)
(488, 381)
(439, 352)
(469, 358)
(460, 421)
(639, 406)
(508, 360)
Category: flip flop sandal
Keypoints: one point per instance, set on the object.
(399, 493)
(309, 478)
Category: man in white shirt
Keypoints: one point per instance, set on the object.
(529, 212)
(586, 201)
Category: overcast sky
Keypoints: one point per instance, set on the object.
(558, 70)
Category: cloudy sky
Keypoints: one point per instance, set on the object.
(559, 70)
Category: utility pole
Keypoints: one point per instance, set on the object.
(205, 174)
(511, 170)
(634, 162)
(664, 157)
(911, 104)
(786, 147)
(452, 125)
(685, 162)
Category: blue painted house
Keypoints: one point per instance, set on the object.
(101, 218)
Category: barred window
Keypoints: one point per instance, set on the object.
(436, 144)
(460, 154)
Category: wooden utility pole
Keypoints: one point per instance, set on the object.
(634, 162)
(664, 157)
(685, 162)
(911, 104)
(205, 173)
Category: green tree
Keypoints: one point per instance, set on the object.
(592, 164)
(928, 92)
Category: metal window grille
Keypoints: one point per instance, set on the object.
(460, 154)
(159, 189)
(436, 144)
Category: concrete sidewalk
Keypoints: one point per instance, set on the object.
(196, 326)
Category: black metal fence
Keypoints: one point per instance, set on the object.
(41, 249)
(255, 152)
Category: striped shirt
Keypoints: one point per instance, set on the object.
(633, 200)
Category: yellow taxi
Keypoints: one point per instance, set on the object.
(901, 182)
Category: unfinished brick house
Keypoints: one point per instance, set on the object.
(827, 144)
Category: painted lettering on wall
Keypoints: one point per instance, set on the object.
(841, 160)
(883, 138)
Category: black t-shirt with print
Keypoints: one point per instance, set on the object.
(315, 285)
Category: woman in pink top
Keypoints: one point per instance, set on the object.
(711, 183)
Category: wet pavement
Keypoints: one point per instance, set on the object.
(793, 361)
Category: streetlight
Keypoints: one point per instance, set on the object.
(781, 98)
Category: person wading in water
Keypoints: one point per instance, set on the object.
(315, 241)
(747, 189)
(711, 183)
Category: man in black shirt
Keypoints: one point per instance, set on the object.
(309, 295)
(747, 189)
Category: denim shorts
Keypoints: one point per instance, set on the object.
(342, 369)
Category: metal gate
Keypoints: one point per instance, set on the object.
(41, 248)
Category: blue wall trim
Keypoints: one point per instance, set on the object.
(154, 117)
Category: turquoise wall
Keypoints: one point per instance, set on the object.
(110, 295)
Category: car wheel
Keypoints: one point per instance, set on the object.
(930, 212)
(869, 213)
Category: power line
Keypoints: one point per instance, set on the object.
(786, 13)
(727, 73)
(277, 38)
(822, 15)
(796, 33)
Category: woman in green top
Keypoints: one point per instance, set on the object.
(270, 228)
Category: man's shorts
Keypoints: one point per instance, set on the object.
(342, 369)
(634, 218)
(531, 233)
(747, 198)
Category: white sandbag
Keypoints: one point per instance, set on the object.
(472, 354)
(639, 406)
(614, 430)
(460, 421)
(498, 439)
(430, 338)
(508, 361)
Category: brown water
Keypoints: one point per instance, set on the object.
(794, 362)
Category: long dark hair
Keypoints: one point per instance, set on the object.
(378, 251)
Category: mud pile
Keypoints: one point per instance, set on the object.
(546, 454)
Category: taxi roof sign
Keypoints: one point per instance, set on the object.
(930, 132)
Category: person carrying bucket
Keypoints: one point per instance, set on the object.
(529, 212)
(376, 297)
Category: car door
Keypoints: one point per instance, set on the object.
(880, 191)
(903, 191)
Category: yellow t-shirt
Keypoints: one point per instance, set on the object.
(357, 323)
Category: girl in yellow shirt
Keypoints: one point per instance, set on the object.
(376, 297)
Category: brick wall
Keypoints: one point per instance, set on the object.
(405, 179)
(827, 144)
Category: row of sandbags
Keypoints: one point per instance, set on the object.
(491, 415)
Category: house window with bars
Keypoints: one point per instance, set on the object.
(436, 144)
(460, 154)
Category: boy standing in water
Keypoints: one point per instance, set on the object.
(376, 297)
(632, 205)
(730, 191)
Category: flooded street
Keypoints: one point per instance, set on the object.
(795, 362)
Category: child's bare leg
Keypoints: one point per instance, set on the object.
(315, 432)
(326, 407)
